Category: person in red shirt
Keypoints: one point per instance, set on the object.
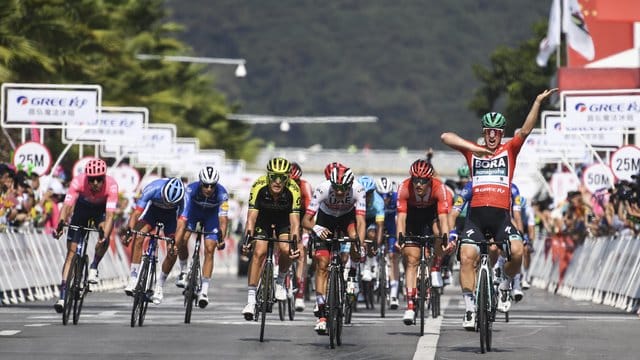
(92, 195)
(422, 201)
(492, 166)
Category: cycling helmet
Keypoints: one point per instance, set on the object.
(173, 191)
(329, 167)
(493, 120)
(463, 171)
(421, 169)
(279, 165)
(95, 167)
(367, 183)
(384, 186)
(341, 176)
(209, 175)
(296, 171)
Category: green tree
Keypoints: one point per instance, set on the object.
(512, 80)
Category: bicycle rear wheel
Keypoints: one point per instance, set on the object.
(69, 294)
(483, 314)
(82, 286)
(422, 297)
(334, 308)
(265, 294)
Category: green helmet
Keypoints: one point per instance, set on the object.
(463, 171)
(493, 120)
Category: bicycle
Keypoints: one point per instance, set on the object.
(143, 291)
(194, 276)
(265, 293)
(78, 275)
(338, 302)
(383, 280)
(486, 297)
(426, 293)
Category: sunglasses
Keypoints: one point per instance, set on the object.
(493, 132)
(208, 186)
(95, 179)
(275, 177)
(420, 181)
(343, 187)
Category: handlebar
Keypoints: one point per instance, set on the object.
(422, 240)
(154, 235)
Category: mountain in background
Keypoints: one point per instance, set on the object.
(406, 62)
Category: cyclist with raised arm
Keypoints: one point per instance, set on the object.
(92, 195)
(274, 200)
(205, 202)
(161, 201)
(422, 201)
(301, 272)
(384, 187)
(492, 166)
(340, 206)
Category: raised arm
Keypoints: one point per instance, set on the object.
(456, 142)
(532, 117)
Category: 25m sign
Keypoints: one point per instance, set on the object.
(33, 155)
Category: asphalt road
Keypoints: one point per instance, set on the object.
(543, 326)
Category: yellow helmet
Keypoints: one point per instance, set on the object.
(279, 165)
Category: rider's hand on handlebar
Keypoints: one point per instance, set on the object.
(221, 244)
(321, 231)
(60, 228)
(451, 243)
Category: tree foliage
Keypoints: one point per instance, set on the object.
(96, 42)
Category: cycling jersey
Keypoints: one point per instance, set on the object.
(274, 210)
(80, 191)
(324, 198)
(492, 175)
(206, 210)
(375, 209)
(435, 195)
(306, 192)
(156, 209)
(461, 200)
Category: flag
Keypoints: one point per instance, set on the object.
(549, 44)
(575, 28)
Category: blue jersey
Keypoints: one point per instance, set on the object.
(375, 208)
(205, 210)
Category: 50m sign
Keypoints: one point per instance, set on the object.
(33, 155)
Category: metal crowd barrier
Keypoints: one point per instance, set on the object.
(604, 270)
(31, 268)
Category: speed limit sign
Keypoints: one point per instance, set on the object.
(625, 162)
(33, 155)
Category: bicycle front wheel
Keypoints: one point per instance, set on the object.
(483, 314)
(190, 291)
(69, 294)
(382, 286)
(139, 293)
(334, 308)
(148, 286)
(82, 286)
(265, 295)
(422, 297)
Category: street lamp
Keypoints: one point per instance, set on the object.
(241, 70)
(285, 121)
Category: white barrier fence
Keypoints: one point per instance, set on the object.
(31, 265)
(604, 270)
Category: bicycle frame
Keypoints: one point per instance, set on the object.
(77, 276)
(147, 274)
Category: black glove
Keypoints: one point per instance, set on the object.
(60, 228)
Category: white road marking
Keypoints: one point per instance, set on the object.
(9, 332)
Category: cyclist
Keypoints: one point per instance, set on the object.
(385, 188)
(305, 193)
(340, 206)
(329, 167)
(492, 166)
(374, 217)
(206, 202)
(274, 200)
(161, 201)
(422, 201)
(92, 195)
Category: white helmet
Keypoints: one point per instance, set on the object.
(384, 185)
(209, 175)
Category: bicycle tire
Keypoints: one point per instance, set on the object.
(151, 280)
(83, 286)
(267, 285)
(340, 300)
(192, 287)
(482, 312)
(382, 286)
(290, 281)
(334, 302)
(139, 293)
(435, 302)
(422, 298)
(69, 294)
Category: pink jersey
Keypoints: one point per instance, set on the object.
(324, 198)
(79, 187)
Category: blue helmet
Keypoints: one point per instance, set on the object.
(367, 183)
(173, 191)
